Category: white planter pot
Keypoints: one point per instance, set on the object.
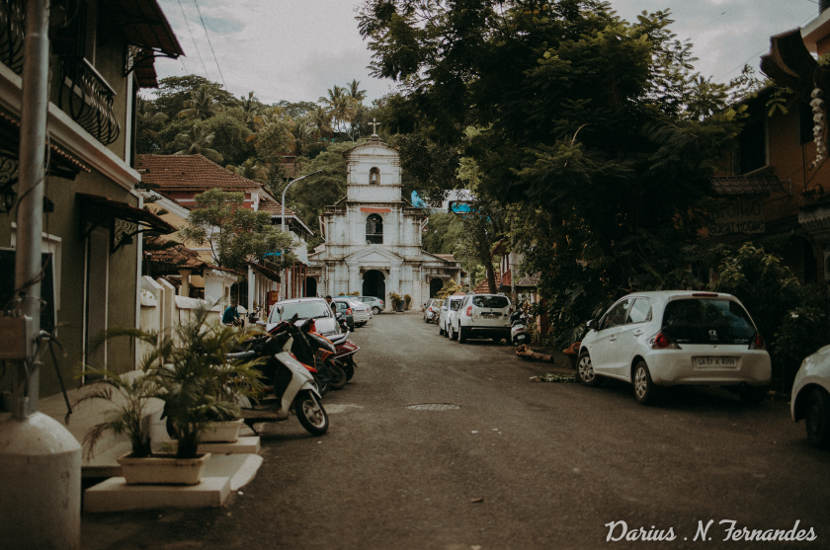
(221, 432)
(162, 470)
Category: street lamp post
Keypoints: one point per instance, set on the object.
(282, 220)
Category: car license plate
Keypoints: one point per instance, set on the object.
(490, 314)
(716, 363)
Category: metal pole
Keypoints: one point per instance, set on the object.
(282, 224)
(31, 176)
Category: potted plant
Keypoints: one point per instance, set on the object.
(397, 301)
(407, 301)
(189, 372)
(199, 385)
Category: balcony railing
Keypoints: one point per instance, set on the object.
(87, 98)
(11, 34)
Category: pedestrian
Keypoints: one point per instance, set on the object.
(231, 315)
(331, 304)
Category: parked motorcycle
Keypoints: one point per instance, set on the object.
(294, 387)
(345, 351)
(519, 333)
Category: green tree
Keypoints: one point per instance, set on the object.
(582, 118)
(235, 233)
(197, 140)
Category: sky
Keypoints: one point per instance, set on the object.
(296, 50)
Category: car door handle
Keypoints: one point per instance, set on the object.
(638, 332)
(612, 338)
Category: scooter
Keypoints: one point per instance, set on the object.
(294, 387)
(519, 333)
(345, 351)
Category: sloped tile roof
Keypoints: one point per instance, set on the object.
(189, 172)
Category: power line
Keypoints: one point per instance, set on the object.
(207, 35)
(193, 38)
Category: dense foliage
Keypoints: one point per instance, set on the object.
(596, 131)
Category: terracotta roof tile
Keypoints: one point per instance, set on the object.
(170, 172)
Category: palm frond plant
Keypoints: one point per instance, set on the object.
(198, 384)
(130, 396)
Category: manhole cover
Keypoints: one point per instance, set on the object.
(434, 407)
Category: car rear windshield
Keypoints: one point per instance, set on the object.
(455, 304)
(707, 321)
(303, 310)
(490, 301)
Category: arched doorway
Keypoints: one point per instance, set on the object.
(310, 286)
(374, 284)
(434, 286)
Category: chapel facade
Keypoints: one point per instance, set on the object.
(372, 237)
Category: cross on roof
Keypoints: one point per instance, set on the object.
(374, 124)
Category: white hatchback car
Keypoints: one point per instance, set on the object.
(305, 308)
(361, 311)
(810, 397)
(448, 310)
(683, 337)
(482, 316)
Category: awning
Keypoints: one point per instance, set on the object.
(145, 27)
(790, 64)
(124, 220)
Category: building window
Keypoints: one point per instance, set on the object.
(374, 229)
(374, 176)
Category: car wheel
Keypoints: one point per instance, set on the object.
(375, 310)
(462, 335)
(644, 388)
(440, 330)
(453, 334)
(817, 418)
(585, 370)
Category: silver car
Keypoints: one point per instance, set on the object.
(810, 397)
(448, 310)
(306, 308)
(375, 303)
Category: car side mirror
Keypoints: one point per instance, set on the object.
(591, 325)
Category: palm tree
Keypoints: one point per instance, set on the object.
(251, 108)
(197, 141)
(201, 105)
(337, 104)
(355, 92)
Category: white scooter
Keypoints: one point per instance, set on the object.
(294, 387)
(518, 328)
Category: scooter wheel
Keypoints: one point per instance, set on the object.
(337, 376)
(349, 369)
(310, 413)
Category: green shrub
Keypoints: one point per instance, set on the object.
(790, 317)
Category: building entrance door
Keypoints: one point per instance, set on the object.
(374, 284)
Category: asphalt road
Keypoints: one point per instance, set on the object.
(502, 462)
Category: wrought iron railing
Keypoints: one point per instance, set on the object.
(87, 98)
(11, 34)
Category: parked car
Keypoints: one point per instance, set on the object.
(305, 308)
(482, 316)
(448, 308)
(361, 311)
(373, 302)
(810, 397)
(344, 309)
(432, 310)
(669, 338)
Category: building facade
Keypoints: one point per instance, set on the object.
(372, 237)
(101, 54)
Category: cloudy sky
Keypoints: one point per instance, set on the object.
(297, 49)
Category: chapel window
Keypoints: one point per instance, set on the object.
(374, 176)
(374, 229)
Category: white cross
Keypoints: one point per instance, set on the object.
(374, 124)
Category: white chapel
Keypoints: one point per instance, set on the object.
(373, 238)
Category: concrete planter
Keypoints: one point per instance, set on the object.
(162, 470)
(221, 432)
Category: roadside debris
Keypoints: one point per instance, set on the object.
(525, 352)
(553, 377)
(476, 500)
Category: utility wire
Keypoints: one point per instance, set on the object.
(207, 35)
(193, 38)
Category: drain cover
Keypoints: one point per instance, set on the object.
(434, 407)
